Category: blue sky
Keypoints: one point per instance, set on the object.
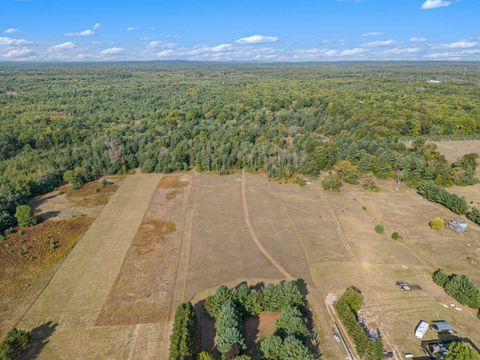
(239, 30)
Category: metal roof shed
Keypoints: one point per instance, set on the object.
(421, 329)
(442, 325)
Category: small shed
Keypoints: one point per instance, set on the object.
(421, 329)
(458, 225)
(442, 326)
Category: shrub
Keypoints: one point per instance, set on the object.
(182, 340)
(460, 287)
(347, 171)
(104, 182)
(460, 350)
(395, 235)
(474, 215)
(332, 183)
(437, 223)
(379, 229)
(13, 344)
(24, 216)
(7, 221)
(369, 184)
(437, 194)
(74, 179)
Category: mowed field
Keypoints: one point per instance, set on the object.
(163, 240)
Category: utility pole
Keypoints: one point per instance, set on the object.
(464, 72)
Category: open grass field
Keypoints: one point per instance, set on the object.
(164, 240)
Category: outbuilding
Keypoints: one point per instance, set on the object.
(421, 329)
(441, 326)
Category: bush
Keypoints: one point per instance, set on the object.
(347, 171)
(460, 287)
(74, 179)
(332, 183)
(13, 344)
(104, 182)
(182, 340)
(7, 221)
(474, 215)
(369, 184)
(24, 216)
(437, 223)
(437, 194)
(347, 307)
(379, 229)
(395, 235)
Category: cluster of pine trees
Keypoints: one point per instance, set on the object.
(347, 307)
(460, 287)
(229, 307)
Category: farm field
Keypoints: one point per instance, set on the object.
(163, 240)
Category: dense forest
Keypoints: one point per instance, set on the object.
(281, 119)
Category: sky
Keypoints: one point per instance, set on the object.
(239, 30)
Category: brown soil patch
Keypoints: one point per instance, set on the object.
(171, 195)
(91, 194)
(133, 298)
(173, 181)
(27, 254)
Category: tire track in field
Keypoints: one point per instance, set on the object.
(254, 237)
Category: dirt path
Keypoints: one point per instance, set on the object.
(75, 296)
(254, 235)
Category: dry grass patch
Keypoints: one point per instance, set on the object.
(31, 252)
(91, 194)
(173, 181)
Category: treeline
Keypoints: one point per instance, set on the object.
(347, 307)
(460, 287)
(182, 340)
(437, 194)
(280, 120)
(229, 307)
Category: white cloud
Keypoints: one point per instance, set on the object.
(257, 39)
(211, 49)
(153, 44)
(379, 43)
(315, 53)
(432, 4)
(112, 51)
(22, 53)
(13, 42)
(462, 44)
(97, 26)
(131, 28)
(372, 33)
(11, 31)
(64, 46)
(83, 33)
(454, 55)
(165, 53)
(401, 51)
(418, 39)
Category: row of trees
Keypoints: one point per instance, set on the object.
(347, 307)
(182, 340)
(437, 194)
(460, 287)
